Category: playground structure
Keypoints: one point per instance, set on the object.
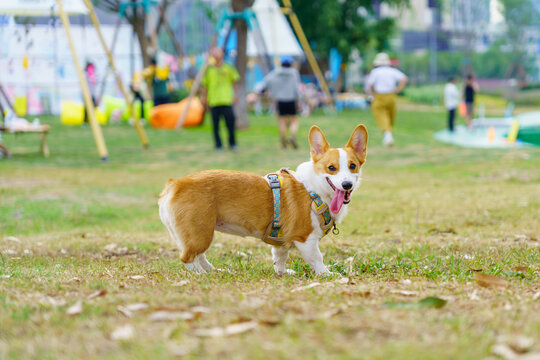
(251, 18)
(264, 43)
(81, 7)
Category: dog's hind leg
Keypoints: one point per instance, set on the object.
(204, 263)
(196, 233)
(280, 254)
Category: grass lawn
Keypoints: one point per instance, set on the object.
(81, 243)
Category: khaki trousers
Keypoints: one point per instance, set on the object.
(384, 110)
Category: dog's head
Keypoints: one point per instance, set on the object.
(337, 171)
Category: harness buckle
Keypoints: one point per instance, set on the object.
(276, 224)
(273, 181)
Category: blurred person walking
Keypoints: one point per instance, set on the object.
(469, 91)
(158, 78)
(283, 84)
(385, 82)
(91, 80)
(451, 101)
(219, 93)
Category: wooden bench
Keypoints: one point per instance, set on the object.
(37, 129)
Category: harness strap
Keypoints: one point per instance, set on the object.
(273, 235)
(320, 208)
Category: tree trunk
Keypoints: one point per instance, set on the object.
(241, 63)
(139, 25)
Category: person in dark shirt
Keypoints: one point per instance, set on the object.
(471, 88)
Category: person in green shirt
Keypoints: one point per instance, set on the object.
(219, 93)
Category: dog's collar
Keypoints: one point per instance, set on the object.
(273, 234)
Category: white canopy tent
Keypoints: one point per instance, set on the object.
(277, 34)
(41, 7)
(63, 8)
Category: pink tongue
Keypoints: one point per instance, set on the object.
(337, 201)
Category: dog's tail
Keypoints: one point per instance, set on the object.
(167, 187)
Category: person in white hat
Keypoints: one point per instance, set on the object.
(385, 82)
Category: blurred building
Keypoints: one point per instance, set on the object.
(446, 25)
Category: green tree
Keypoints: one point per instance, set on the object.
(345, 25)
(519, 16)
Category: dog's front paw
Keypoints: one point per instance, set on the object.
(327, 273)
(285, 272)
(290, 272)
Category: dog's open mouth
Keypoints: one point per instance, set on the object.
(340, 197)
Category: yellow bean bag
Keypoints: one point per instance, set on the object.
(72, 113)
(20, 105)
(166, 116)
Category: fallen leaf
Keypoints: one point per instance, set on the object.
(6, 276)
(442, 232)
(55, 302)
(124, 332)
(270, 321)
(520, 237)
(181, 283)
(120, 251)
(325, 315)
(365, 293)
(164, 315)
(432, 302)
(521, 269)
(404, 292)
(180, 350)
(428, 302)
(136, 277)
(310, 286)
(521, 344)
(75, 279)
(110, 247)
(96, 294)
(233, 329)
(12, 239)
(75, 309)
(487, 280)
(536, 296)
(124, 311)
(198, 311)
(504, 351)
(343, 280)
(137, 306)
(474, 296)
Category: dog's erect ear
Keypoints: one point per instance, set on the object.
(358, 141)
(318, 142)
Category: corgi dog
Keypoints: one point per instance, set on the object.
(299, 206)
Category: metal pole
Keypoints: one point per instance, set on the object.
(195, 87)
(140, 131)
(113, 45)
(96, 129)
(288, 10)
(433, 47)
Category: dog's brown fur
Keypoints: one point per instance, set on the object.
(201, 201)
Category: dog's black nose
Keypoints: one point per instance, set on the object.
(347, 185)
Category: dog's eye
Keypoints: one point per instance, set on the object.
(332, 168)
(352, 166)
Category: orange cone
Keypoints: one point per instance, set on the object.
(491, 134)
